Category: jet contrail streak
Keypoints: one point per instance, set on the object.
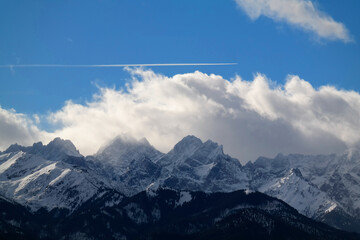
(110, 65)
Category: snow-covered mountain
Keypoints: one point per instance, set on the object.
(191, 165)
(197, 166)
(168, 214)
(48, 176)
(56, 175)
(322, 187)
(121, 151)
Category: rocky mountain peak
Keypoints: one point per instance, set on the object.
(123, 149)
(325, 187)
(62, 145)
(121, 143)
(14, 148)
(211, 150)
(296, 172)
(57, 149)
(187, 145)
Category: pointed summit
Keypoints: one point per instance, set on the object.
(58, 149)
(187, 145)
(296, 172)
(210, 150)
(144, 141)
(65, 145)
(123, 149)
(192, 147)
(120, 143)
(195, 165)
(15, 148)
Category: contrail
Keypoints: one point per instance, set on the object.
(110, 65)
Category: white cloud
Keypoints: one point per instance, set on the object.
(249, 118)
(18, 128)
(300, 13)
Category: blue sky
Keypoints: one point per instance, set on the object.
(107, 32)
(163, 31)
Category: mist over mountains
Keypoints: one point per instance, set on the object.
(253, 117)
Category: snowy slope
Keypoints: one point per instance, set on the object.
(127, 164)
(321, 186)
(121, 151)
(56, 150)
(32, 180)
(336, 175)
(141, 173)
(303, 196)
(190, 165)
(194, 165)
(324, 187)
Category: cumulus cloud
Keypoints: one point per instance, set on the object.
(18, 128)
(300, 13)
(250, 118)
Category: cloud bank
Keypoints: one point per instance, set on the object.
(250, 118)
(300, 13)
(19, 128)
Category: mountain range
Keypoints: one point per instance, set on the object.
(48, 181)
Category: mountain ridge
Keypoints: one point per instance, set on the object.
(315, 185)
(169, 213)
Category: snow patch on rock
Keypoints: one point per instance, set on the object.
(184, 198)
